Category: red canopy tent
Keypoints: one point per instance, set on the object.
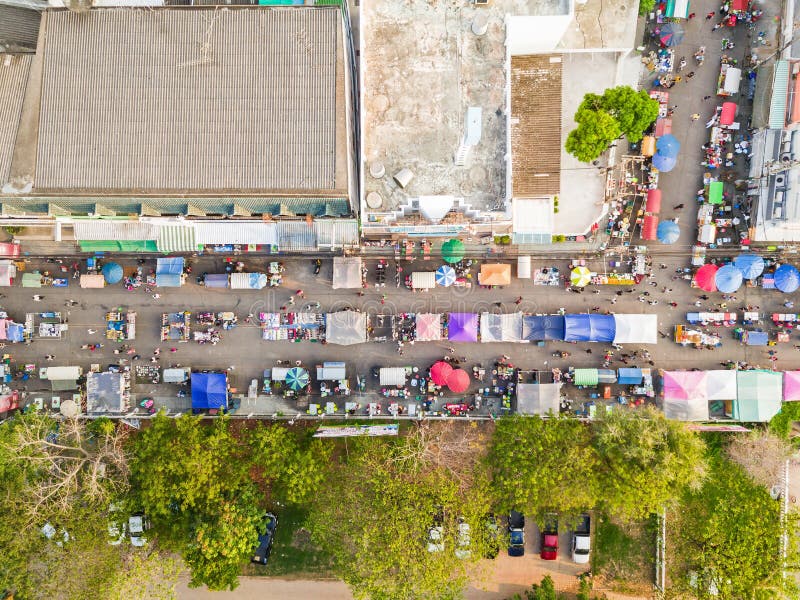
(458, 381)
(663, 126)
(739, 5)
(705, 278)
(728, 113)
(9, 250)
(649, 227)
(653, 204)
(440, 371)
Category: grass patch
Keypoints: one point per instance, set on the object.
(293, 553)
(624, 554)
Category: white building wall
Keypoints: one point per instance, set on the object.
(535, 35)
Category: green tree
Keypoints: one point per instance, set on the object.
(603, 118)
(194, 481)
(595, 132)
(645, 6)
(729, 534)
(645, 460)
(635, 111)
(374, 512)
(543, 465)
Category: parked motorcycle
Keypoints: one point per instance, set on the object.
(317, 266)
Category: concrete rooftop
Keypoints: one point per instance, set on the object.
(423, 67)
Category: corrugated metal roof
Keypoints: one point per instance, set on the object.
(296, 236)
(236, 232)
(258, 110)
(100, 229)
(13, 81)
(780, 88)
(176, 238)
(19, 28)
(536, 125)
(337, 233)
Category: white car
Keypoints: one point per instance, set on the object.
(436, 539)
(137, 525)
(462, 541)
(582, 541)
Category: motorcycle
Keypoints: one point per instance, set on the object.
(700, 55)
(148, 405)
(561, 354)
(317, 266)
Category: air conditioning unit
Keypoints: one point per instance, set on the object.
(780, 180)
(482, 2)
(786, 157)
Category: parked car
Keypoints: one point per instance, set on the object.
(516, 533)
(550, 538)
(582, 540)
(265, 540)
(463, 540)
(137, 525)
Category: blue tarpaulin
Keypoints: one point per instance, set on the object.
(629, 376)
(14, 332)
(536, 328)
(589, 328)
(169, 271)
(756, 338)
(216, 280)
(209, 390)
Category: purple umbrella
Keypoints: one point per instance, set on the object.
(462, 327)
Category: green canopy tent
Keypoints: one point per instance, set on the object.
(715, 192)
(453, 251)
(586, 377)
(758, 396)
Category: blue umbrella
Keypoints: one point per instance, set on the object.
(296, 378)
(751, 265)
(112, 272)
(665, 164)
(671, 34)
(787, 279)
(445, 276)
(668, 232)
(668, 145)
(728, 279)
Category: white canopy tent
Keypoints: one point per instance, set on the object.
(538, 398)
(721, 385)
(636, 329)
(423, 280)
(691, 409)
(501, 327)
(392, 376)
(346, 272)
(346, 327)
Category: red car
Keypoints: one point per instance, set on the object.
(550, 538)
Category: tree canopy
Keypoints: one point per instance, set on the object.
(603, 118)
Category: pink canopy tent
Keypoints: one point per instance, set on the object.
(458, 381)
(791, 386)
(429, 327)
(4, 329)
(705, 278)
(685, 385)
(440, 371)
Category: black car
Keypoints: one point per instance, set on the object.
(261, 555)
(516, 533)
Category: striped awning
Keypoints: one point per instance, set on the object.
(585, 377)
(177, 238)
(780, 88)
(103, 229)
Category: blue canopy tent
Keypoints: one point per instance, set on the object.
(15, 332)
(756, 338)
(787, 279)
(209, 391)
(538, 328)
(629, 376)
(445, 276)
(751, 265)
(216, 280)
(663, 163)
(668, 145)
(728, 279)
(668, 232)
(112, 273)
(589, 328)
(169, 271)
(670, 35)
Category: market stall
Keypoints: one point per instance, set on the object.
(169, 271)
(423, 280)
(275, 271)
(428, 327)
(538, 328)
(685, 395)
(462, 327)
(216, 280)
(524, 267)
(547, 276)
(696, 338)
(209, 391)
(120, 326)
(497, 274)
(728, 319)
(8, 271)
(248, 281)
(346, 327)
(90, 280)
(176, 326)
(729, 80)
(504, 327)
(347, 272)
(293, 326)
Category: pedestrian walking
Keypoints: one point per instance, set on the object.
(717, 26)
(695, 117)
(92, 331)
(706, 98)
(498, 304)
(50, 356)
(290, 301)
(588, 351)
(692, 15)
(689, 75)
(38, 298)
(300, 293)
(518, 301)
(710, 15)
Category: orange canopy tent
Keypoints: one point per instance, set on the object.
(495, 274)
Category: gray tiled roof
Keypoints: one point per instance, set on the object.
(13, 81)
(187, 99)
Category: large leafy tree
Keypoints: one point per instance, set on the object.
(603, 118)
(729, 532)
(374, 511)
(192, 480)
(541, 465)
(645, 461)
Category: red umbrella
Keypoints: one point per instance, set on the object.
(705, 278)
(458, 381)
(440, 371)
